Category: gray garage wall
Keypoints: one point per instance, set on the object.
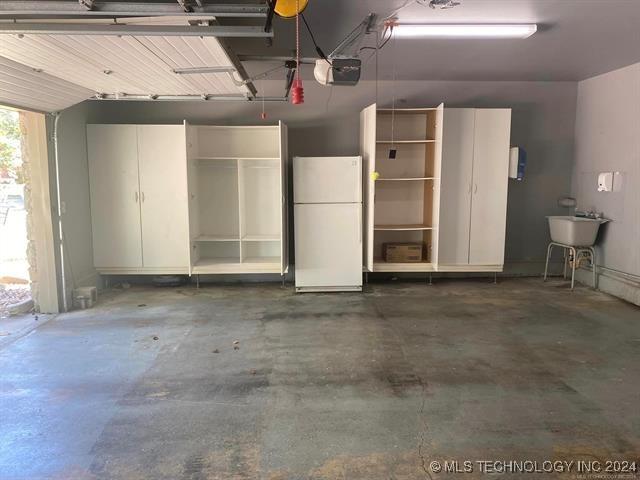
(328, 123)
(608, 139)
(74, 188)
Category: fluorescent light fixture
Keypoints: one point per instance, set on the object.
(477, 30)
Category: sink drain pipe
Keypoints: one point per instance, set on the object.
(63, 281)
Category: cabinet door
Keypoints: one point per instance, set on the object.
(163, 195)
(437, 173)
(456, 186)
(192, 191)
(284, 186)
(368, 154)
(115, 208)
(490, 179)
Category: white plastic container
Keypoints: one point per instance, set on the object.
(85, 297)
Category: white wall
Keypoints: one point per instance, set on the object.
(328, 122)
(608, 139)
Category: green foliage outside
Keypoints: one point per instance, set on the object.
(10, 159)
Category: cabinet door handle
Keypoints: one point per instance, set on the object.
(136, 196)
(475, 189)
(143, 196)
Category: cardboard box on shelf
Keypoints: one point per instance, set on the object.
(407, 252)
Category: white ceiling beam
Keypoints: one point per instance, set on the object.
(132, 30)
(73, 9)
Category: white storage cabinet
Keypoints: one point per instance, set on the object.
(237, 199)
(188, 199)
(475, 171)
(446, 188)
(401, 195)
(138, 185)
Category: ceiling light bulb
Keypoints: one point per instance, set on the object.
(443, 30)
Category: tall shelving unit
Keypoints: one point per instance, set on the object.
(402, 193)
(237, 199)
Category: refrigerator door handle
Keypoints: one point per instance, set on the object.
(360, 224)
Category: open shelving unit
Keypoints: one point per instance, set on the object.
(237, 204)
(402, 193)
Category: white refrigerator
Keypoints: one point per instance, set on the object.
(327, 195)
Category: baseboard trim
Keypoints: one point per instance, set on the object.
(619, 284)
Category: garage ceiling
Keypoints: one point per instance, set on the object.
(577, 39)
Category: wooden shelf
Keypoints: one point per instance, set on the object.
(406, 110)
(403, 228)
(262, 261)
(405, 179)
(212, 261)
(236, 127)
(401, 142)
(236, 158)
(261, 238)
(217, 265)
(217, 238)
(379, 265)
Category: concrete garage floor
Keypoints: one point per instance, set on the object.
(343, 386)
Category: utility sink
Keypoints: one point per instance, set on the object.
(575, 231)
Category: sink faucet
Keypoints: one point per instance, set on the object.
(590, 214)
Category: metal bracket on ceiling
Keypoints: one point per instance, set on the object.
(185, 6)
(131, 30)
(291, 66)
(180, 98)
(269, 22)
(351, 44)
(275, 58)
(250, 80)
(235, 61)
(34, 9)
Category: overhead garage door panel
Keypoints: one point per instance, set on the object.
(23, 87)
(128, 64)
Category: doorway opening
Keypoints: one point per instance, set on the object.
(15, 277)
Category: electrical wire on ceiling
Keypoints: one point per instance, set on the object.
(397, 10)
(313, 39)
(392, 150)
(263, 115)
(388, 28)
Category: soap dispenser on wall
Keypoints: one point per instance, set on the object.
(605, 182)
